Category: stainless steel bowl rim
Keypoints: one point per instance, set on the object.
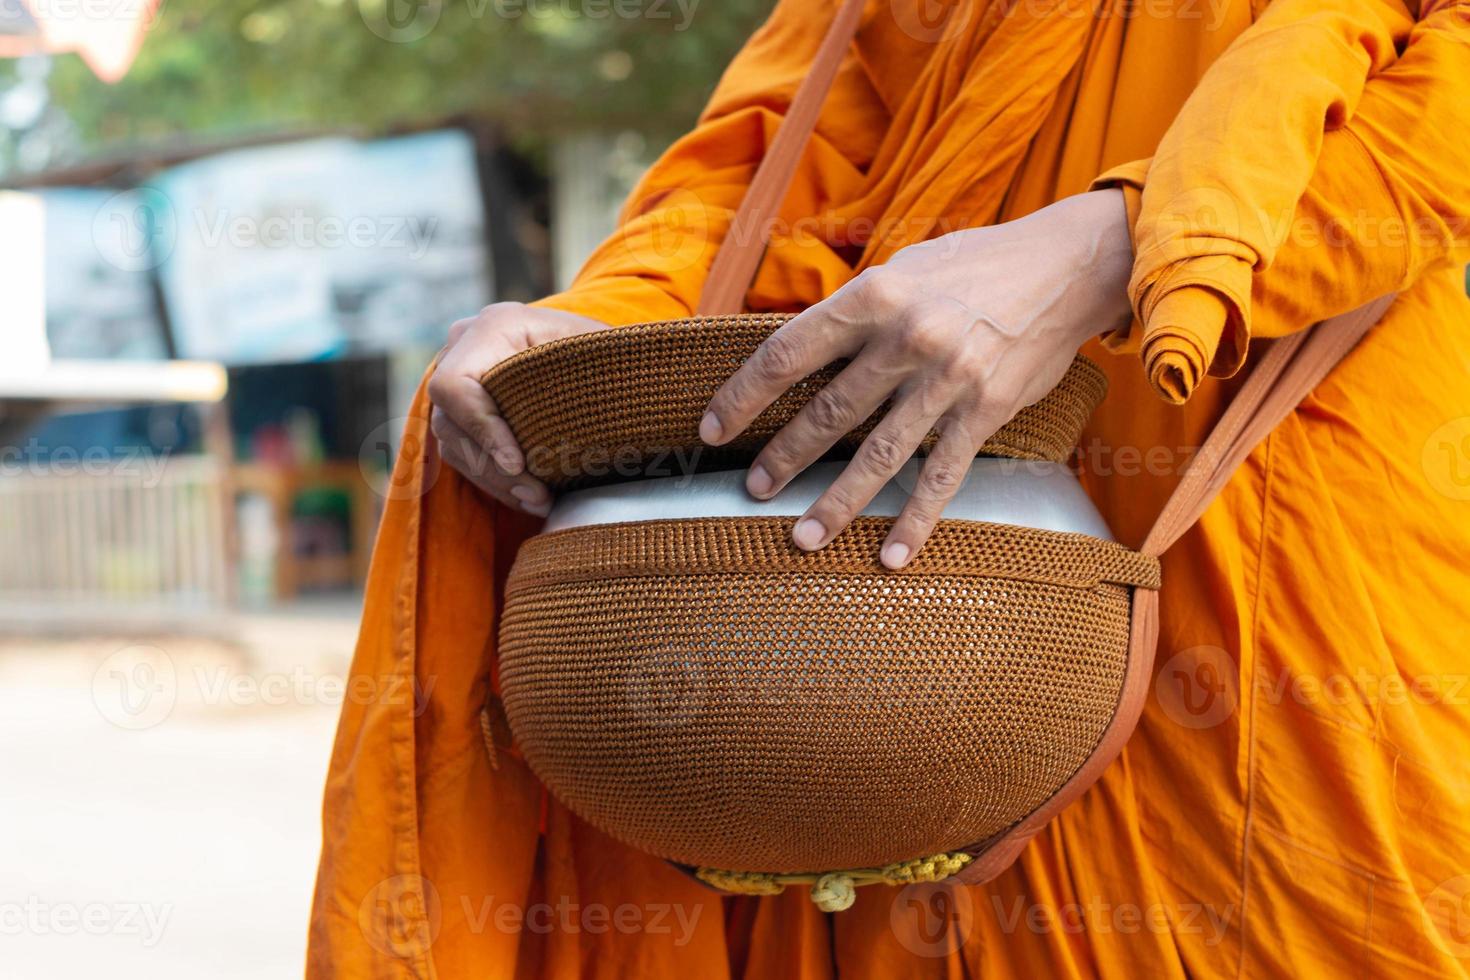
(1025, 493)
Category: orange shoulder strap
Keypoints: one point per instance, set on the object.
(745, 242)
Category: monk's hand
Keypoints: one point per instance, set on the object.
(961, 332)
(473, 438)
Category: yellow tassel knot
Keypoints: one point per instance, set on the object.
(834, 892)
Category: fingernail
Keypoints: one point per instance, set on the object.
(895, 554)
(710, 428)
(758, 481)
(509, 463)
(531, 501)
(809, 534)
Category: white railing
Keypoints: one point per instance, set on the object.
(118, 536)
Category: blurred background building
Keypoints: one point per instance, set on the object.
(232, 235)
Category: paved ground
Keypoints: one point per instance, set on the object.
(159, 797)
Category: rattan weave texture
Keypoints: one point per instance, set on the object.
(617, 404)
(706, 692)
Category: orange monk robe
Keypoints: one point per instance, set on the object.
(1297, 798)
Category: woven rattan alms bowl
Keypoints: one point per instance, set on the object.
(619, 404)
(695, 686)
(704, 692)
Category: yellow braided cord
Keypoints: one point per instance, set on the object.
(834, 891)
(935, 868)
(741, 882)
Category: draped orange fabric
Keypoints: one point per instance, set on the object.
(1297, 797)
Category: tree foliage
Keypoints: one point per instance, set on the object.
(217, 68)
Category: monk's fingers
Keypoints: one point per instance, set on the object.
(466, 457)
(484, 426)
(839, 407)
(806, 342)
(881, 455)
(940, 478)
(465, 454)
(455, 388)
(458, 327)
(462, 398)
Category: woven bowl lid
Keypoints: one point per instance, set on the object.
(625, 404)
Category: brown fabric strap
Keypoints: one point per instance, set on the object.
(1288, 372)
(1279, 382)
(740, 254)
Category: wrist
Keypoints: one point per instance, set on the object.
(1101, 263)
(1106, 263)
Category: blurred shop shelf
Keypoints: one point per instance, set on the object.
(110, 539)
(296, 568)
